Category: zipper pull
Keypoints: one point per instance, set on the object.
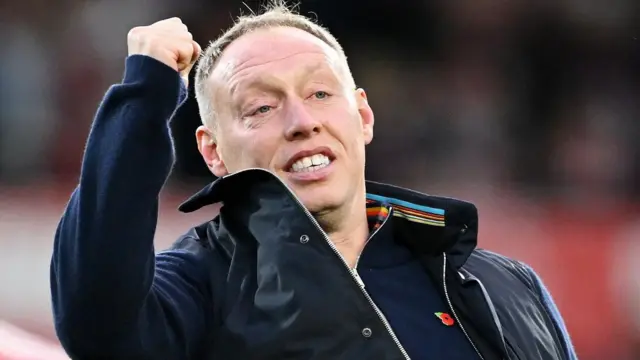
(358, 278)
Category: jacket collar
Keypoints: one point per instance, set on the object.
(429, 225)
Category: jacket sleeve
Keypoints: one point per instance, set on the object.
(113, 298)
(554, 313)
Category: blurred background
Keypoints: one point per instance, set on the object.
(529, 109)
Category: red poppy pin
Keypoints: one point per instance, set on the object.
(445, 318)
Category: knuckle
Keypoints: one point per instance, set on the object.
(135, 32)
(186, 48)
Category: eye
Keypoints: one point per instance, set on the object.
(262, 110)
(321, 95)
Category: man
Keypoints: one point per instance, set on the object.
(305, 260)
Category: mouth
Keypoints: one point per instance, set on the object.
(310, 161)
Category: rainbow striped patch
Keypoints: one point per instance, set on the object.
(412, 212)
(380, 211)
(376, 214)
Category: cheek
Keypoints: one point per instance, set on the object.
(349, 132)
(257, 151)
(357, 140)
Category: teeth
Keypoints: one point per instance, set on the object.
(310, 163)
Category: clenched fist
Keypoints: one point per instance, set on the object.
(168, 41)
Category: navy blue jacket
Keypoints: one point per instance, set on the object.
(261, 280)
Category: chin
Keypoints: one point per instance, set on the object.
(323, 191)
(319, 199)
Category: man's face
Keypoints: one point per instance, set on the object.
(284, 102)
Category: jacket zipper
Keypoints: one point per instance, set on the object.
(356, 277)
(354, 274)
(453, 311)
(355, 267)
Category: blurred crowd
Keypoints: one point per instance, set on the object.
(534, 104)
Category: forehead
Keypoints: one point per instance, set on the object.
(273, 47)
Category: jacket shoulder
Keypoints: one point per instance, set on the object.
(492, 267)
(208, 255)
(198, 247)
(201, 243)
(482, 258)
(199, 239)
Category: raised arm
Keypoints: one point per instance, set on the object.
(112, 297)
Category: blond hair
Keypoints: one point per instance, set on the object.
(275, 14)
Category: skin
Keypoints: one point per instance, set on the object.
(280, 91)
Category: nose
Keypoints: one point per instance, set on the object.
(301, 124)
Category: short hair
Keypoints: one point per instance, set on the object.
(275, 14)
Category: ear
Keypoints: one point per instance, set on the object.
(210, 151)
(366, 115)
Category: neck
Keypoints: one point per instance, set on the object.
(349, 229)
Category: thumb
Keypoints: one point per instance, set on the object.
(197, 50)
(184, 73)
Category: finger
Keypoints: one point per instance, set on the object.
(197, 50)
(196, 55)
(174, 32)
(172, 29)
(168, 22)
(185, 53)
